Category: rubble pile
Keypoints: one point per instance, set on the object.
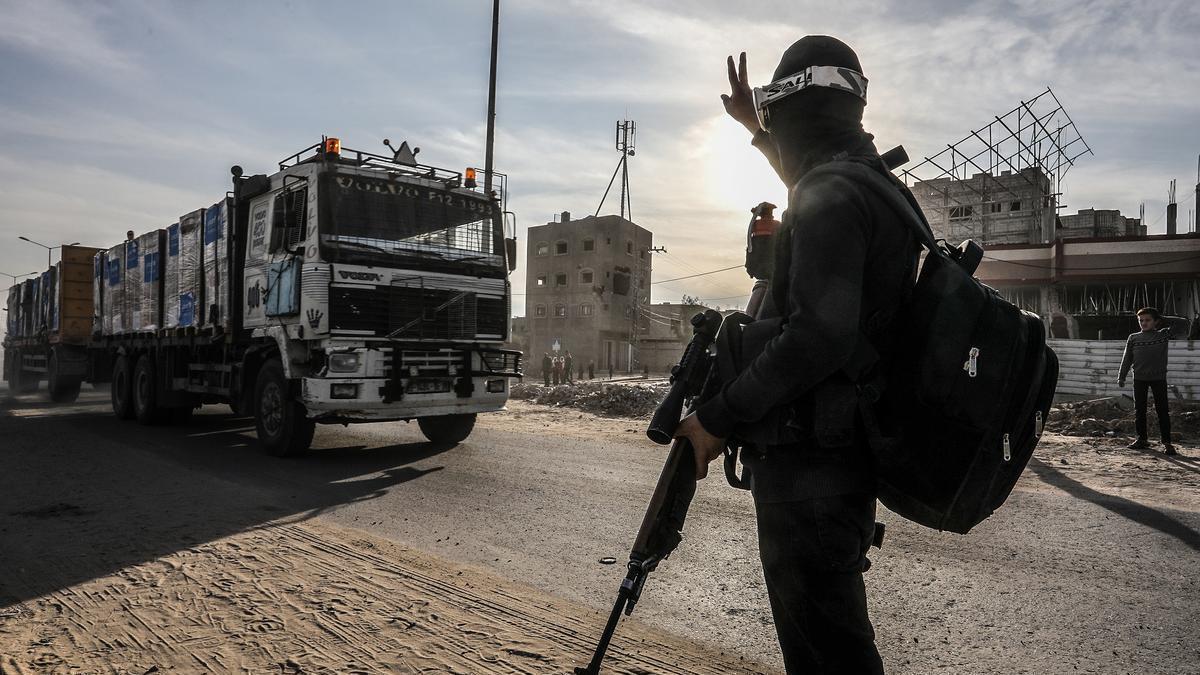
(1114, 416)
(627, 399)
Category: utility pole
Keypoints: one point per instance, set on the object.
(635, 315)
(491, 114)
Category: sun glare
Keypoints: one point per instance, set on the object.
(737, 174)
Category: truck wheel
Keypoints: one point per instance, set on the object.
(145, 395)
(62, 389)
(447, 428)
(283, 427)
(120, 389)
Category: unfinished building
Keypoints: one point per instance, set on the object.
(1001, 183)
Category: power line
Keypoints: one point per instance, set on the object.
(1091, 269)
(701, 274)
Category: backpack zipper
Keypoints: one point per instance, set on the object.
(1007, 449)
(1038, 424)
(971, 366)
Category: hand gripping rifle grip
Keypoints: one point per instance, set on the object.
(686, 378)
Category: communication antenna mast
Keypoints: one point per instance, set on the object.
(626, 137)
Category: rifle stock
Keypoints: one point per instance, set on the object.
(661, 530)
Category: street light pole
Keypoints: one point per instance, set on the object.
(48, 248)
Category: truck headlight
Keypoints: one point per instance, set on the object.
(495, 386)
(343, 363)
(344, 390)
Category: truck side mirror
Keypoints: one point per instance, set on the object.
(510, 252)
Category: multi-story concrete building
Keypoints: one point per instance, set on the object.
(1011, 208)
(1092, 223)
(586, 280)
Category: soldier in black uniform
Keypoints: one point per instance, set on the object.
(547, 368)
(843, 261)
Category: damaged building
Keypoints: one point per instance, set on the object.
(586, 280)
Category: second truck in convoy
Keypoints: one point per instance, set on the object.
(347, 286)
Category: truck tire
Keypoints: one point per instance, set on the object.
(145, 393)
(447, 429)
(283, 427)
(62, 389)
(121, 388)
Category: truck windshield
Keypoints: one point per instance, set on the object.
(376, 221)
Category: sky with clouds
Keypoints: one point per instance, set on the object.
(123, 115)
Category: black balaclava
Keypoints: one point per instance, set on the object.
(812, 125)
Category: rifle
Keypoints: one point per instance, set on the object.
(693, 382)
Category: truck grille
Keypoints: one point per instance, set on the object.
(413, 313)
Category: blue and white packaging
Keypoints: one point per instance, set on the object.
(150, 286)
(190, 278)
(114, 291)
(216, 264)
(170, 275)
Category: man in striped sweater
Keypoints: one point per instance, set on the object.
(1146, 352)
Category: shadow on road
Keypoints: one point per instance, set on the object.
(1126, 508)
(83, 494)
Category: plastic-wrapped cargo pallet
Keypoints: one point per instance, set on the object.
(191, 269)
(13, 305)
(51, 294)
(132, 320)
(99, 269)
(216, 267)
(170, 275)
(150, 287)
(114, 291)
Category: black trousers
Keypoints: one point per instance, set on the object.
(813, 553)
(1159, 387)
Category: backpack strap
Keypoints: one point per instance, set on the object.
(888, 188)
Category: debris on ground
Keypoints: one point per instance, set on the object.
(625, 399)
(1115, 416)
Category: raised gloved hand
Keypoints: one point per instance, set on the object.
(739, 102)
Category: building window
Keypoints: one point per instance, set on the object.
(629, 248)
(585, 277)
(560, 248)
(642, 254)
(543, 248)
(994, 207)
(1014, 206)
(560, 279)
(961, 212)
(589, 244)
(641, 282)
(540, 310)
(585, 310)
(560, 311)
(541, 280)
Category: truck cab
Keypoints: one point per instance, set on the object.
(382, 287)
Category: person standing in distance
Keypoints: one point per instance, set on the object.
(843, 262)
(1146, 352)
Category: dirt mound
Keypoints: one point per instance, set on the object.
(1114, 416)
(626, 399)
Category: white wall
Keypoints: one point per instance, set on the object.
(1091, 367)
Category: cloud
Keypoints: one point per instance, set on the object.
(63, 33)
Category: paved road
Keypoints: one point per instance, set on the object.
(1070, 576)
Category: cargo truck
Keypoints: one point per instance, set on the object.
(345, 287)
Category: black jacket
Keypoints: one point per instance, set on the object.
(849, 261)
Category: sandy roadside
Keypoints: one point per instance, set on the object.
(314, 598)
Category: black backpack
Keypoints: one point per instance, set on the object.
(957, 415)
